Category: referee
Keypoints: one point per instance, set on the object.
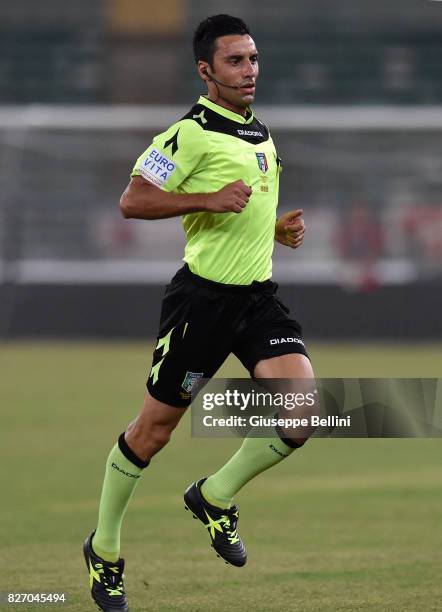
(218, 169)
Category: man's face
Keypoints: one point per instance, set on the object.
(235, 63)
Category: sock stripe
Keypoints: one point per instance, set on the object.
(287, 441)
(129, 454)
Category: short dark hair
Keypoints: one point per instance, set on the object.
(212, 28)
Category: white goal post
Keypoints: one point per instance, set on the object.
(324, 118)
(58, 136)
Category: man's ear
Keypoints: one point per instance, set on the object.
(203, 70)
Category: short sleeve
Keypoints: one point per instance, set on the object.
(173, 155)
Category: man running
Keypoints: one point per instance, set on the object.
(218, 169)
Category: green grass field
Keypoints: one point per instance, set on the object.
(342, 525)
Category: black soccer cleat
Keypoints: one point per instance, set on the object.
(220, 523)
(105, 580)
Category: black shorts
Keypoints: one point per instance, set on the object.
(202, 322)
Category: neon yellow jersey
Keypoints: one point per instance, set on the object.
(207, 149)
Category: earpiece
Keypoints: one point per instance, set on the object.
(212, 78)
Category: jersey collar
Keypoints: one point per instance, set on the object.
(225, 112)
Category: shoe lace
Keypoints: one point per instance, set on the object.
(230, 521)
(113, 581)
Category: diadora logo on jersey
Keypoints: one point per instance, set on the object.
(157, 168)
(262, 162)
(190, 380)
(201, 117)
(249, 133)
(284, 340)
(173, 141)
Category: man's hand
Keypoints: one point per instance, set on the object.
(231, 198)
(290, 229)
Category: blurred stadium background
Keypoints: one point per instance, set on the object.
(353, 95)
(352, 92)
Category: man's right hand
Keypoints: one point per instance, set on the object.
(231, 198)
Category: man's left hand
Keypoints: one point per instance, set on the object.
(290, 229)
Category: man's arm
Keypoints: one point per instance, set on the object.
(290, 229)
(143, 200)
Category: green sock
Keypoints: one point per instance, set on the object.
(120, 479)
(253, 457)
